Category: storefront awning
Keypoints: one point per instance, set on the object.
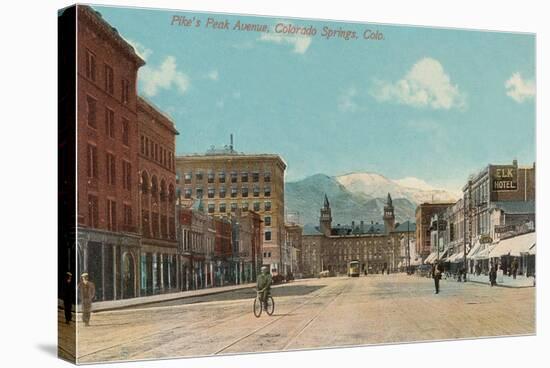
(433, 257)
(475, 249)
(516, 246)
(485, 251)
(457, 257)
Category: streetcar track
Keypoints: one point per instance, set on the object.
(278, 319)
(208, 326)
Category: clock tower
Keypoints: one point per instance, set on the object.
(389, 216)
(325, 221)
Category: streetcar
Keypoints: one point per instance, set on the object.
(354, 268)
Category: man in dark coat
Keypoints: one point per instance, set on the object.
(263, 285)
(515, 268)
(437, 271)
(493, 275)
(87, 295)
(67, 292)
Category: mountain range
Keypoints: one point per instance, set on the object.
(358, 197)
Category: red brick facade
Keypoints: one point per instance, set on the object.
(107, 126)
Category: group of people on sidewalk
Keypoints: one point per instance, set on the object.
(86, 289)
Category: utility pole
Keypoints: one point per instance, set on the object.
(437, 234)
(408, 249)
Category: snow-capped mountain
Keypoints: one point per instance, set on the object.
(358, 196)
(378, 186)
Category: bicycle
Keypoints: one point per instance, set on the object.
(259, 305)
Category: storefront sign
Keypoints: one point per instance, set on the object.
(504, 178)
(485, 239)
(505, 228)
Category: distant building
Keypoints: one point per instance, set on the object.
(228, 180)
(424, 214)
(376, 246)
(293, 256)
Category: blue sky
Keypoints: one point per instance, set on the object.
(434, 104)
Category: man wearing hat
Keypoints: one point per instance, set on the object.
(87, 295)
(263, 285)
(67, 292)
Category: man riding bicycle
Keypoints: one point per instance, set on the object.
(263, 285)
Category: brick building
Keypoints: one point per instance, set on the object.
(108, 198)
(157, 199)
(228, 180)
(424, 214)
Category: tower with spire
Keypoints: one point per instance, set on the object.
(389, 216)
(325, 221)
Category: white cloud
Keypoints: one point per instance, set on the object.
(213, 75)
(426, 84)
(165, 76)
(520, 89)
(346, 102)
(141, 50)
(299, 43)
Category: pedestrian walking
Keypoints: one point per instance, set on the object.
(87, 295)
(514, 268)
(493, 276)
(437, 270)
(67, 293)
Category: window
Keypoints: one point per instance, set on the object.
(245, 206)
(146, 146)
(109, 122)
(267, 177)
(233, 207)
(111, 215)
(211, 207)
(267, 220)
(233, 177)
(222, 192)
(92, 161)
(256, 191)
(255, 177)
(127, 215)
(221, 177)
(211, 177)
(125, 132)
(91, 104)
(90, 65)
(187, 193)
(199, 193)
(211, 192)
(126, 175)
(267, 206)
(187, 177)
(110, 166)
(256, 206)
(125, 91)
(199, 175)
(234, 192)
(109, 79)
(156, 154)
(244, 177)
(142, 145)
(268, 236)
(222, 207)
(244, 191)
(267, 191)
(93, 213)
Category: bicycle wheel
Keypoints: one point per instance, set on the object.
(257, 307)
(270, 305)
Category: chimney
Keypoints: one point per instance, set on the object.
(231, 142)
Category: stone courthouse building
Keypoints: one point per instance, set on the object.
(376, 246)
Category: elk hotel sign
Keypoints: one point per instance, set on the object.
(504, 178)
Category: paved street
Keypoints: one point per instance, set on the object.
(309, 314)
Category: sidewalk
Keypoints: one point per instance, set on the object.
(504, 281)
(133, 302)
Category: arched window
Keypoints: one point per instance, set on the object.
(144, 182)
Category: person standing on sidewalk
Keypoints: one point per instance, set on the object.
(87, 295)
(67, 292)
(514, 268)
(493, 276)
(437, 270)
